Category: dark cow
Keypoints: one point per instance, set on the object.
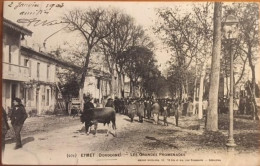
(99, 115)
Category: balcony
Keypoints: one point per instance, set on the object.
(15, 72)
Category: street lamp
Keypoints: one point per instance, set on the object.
(231, 34)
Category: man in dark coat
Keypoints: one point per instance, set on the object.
(87, 104)
(5, 128)
(140, 110)
(148, 108)
(117, 105)
(86, 115)
(18, 116)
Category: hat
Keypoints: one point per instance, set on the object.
(17, 100)
(87, 97)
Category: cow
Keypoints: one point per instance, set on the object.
(99, 115)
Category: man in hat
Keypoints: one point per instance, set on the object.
(88, 104)
(110, 103)
(18, 116)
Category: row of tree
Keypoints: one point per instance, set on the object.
(194, 37)
(127, 51)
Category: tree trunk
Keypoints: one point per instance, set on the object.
(187, 87)
(131, 88)
(212, 114)
(112, 82)
(227, 86)
(195, 90)
(83, 78)
(252, 66)
(119, 88)
(112, 86)
(255, 111)
(123, 86)
(201, 92)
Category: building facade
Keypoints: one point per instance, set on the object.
(15, 70)
(28, 74)
(32, 75)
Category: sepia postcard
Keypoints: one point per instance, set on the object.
(130, 83)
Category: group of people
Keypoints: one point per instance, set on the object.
(149, 108)
(243, 105)
(17, 117)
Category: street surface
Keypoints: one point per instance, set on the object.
(136, 143)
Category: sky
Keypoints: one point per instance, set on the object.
(143, 13)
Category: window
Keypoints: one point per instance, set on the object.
(48, 71)
(38, 69)
(19, 62)
(26, 62)
(48, 97)
(10, 56)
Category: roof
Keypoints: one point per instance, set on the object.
(51, 57)
(16, 27)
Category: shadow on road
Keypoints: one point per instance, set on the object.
(92, 131)
(27, 140)
(24, 141)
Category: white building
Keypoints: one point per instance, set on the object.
(15, 69)
(28, 74)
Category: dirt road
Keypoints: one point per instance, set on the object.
(136, 143)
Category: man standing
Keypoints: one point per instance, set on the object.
(87, 113)
(18, 116)
(5, 128)
(140, 110)
(155, 112)
(110, 103)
